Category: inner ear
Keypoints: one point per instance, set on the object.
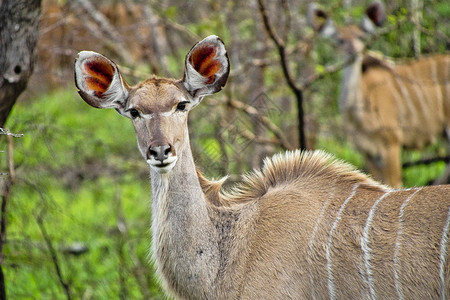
(375, 12)
(98, 75)
(99, 81)
(204, 62)
(206, 67)
(319, 20)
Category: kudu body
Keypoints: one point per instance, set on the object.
(387, 106)
(306, 226)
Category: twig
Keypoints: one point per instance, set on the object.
(426, 161)
(298, 92)
(181, 28)
(6, 132)
(251, 111)
(122, 230)
(250, 136)
(328, 70)
(54, 256)
(107, 28)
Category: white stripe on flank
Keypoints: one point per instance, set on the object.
(401, 97)
(331, 287)
(366, 248)
(398, 285)
(439, 97)
(316, 227)
(447, 77)
(418, 87)
(444, 242)
(321, 214)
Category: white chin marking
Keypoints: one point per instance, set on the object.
(162, 168)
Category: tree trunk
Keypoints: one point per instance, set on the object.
(19, 22)
(416, 9)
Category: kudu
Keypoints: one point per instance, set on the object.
(387, 106)
(306, 226)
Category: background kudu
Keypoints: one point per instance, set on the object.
(305, 226)
(385, 105)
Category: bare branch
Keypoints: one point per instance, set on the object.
(298, 92)
(251, 111)
(54, 256)
(106, 27)
(6, 132)
(426, 161)
(257, 139)
(328, 70)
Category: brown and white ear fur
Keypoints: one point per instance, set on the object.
(319, 20)
(99, 81)
(374, 17)
(206, 68)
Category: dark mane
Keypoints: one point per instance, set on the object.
(371, 61)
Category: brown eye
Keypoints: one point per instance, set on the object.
(134, 113)
(182, 106)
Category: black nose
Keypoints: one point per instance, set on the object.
(160, 153)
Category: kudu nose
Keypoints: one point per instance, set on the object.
(160, 153)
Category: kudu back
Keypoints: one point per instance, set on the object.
(305, 226)
(386, 105)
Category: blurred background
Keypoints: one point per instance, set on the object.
(76, 215)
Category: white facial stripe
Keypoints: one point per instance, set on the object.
(163, 114)
(166, 114)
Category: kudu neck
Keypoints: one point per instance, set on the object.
(351, 93)
(185, 241)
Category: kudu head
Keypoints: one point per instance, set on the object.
(158, 107)
(351, 39)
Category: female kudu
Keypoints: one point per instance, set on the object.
(388, 106)
(306, 226)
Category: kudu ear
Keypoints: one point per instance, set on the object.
(374, 17)
(99, 81)
(206, 67)
(319, 20)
